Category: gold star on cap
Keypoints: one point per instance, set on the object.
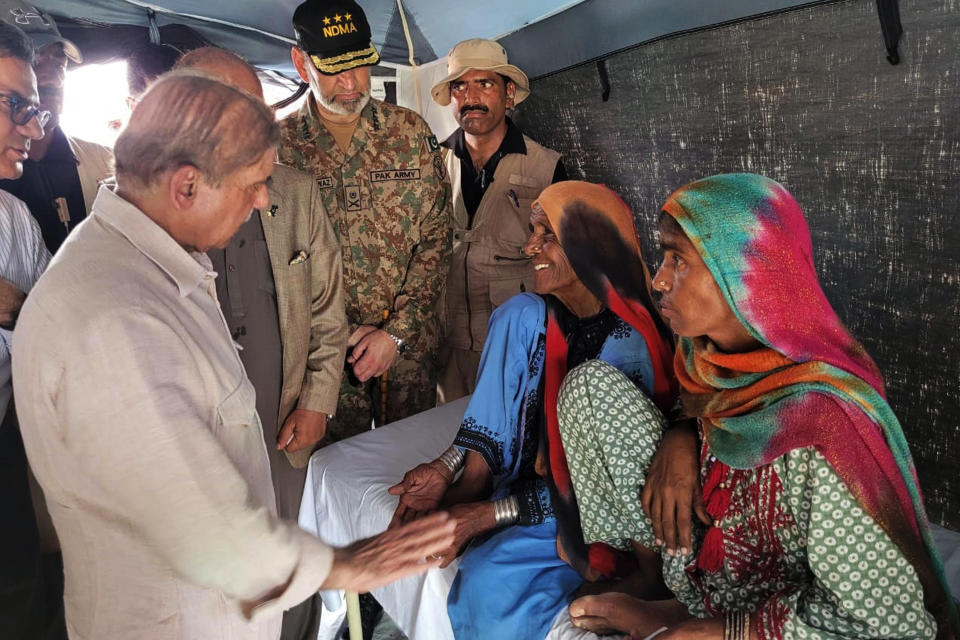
(326, 21)
(347, 16)
(337, 17)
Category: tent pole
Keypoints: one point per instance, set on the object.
(413, 62)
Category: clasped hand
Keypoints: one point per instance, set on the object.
(671, 495)
(422, 491)
(374, 351)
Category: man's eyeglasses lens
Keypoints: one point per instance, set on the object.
(21, 111)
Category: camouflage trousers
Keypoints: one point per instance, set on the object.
(411, 388)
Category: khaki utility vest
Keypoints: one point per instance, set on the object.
(487, 266)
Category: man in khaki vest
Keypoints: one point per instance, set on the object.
(496, 172)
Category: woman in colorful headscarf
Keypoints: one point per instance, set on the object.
(818, 529)
(594, 302)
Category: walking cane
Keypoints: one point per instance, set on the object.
(383, 382)
(354, 622)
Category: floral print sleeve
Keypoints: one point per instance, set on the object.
(861, 585)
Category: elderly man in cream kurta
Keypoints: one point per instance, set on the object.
(280, 287)
(137, 417)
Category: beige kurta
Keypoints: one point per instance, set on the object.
(139, 423)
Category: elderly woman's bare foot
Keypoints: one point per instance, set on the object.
(618, 612)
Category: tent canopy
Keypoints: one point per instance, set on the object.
(542, 36)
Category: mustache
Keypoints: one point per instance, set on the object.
(473, 107)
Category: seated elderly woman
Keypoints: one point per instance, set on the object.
(513, 503)
(818, 525)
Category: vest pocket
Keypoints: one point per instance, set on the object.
(503, 290)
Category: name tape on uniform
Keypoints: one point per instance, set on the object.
(394, 174)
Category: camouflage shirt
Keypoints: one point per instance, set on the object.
(389, 202)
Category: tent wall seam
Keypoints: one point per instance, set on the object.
(164, 11)
(413, 62)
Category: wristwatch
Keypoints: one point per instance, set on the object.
(402, 346)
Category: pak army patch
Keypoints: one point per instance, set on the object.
(438, 168)
(351, 197)
(383, 175)
(432, 144)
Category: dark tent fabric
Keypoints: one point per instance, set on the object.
(261, 31)
(870, 150)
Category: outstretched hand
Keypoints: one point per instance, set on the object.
(396, 553)
(470, 521)
(671, 494)
(420, 491)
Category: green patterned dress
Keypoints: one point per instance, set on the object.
(798, 548)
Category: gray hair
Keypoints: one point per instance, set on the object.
(187, 118)
(211, 55)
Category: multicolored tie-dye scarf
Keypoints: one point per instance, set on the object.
(757, 406)
(597, 233)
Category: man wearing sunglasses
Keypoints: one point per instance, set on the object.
(23, 257)
(62, 174)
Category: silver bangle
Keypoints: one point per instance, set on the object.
(506, 511)
(452, 459)
(736, 625)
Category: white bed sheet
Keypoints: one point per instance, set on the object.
(345, 498)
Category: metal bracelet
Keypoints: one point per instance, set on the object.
(506, 511)
(736, 625)
(401, 345)
(452, 459)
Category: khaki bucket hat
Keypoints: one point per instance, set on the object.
(479, 55)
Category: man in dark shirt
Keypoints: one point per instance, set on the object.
(62, 174)
(496, 173)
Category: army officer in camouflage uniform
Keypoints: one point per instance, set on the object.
(382, 180)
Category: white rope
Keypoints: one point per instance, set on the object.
(413, 63)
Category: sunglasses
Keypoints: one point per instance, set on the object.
(22, 111)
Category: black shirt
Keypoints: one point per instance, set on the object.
(42, 182)
(473, 184)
